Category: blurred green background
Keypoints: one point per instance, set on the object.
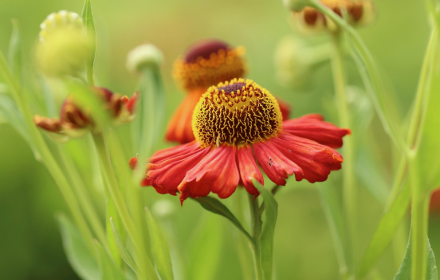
(30, 244)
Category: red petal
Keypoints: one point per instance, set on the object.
(314, 128)
(166, 174)
(131, 103)
(133, 163)
(217, 173)
(276, 165)
(248, 169)
(173, 151)
(315, 160)
(180, 126)
(284, 108)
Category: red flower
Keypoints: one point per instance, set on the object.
(238, 126)
(206, 63)
(75, 122)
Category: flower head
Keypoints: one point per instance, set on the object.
(206, 63)
(238, 126)
(142, 56)
(64, 46)
(75, 121)
(358, 12)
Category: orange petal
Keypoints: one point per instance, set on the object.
(180, 126)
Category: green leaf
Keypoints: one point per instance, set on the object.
(109, 269)
(89, 102)
(268, 230)
(404, 272)
(112, 213)
(159, 249)
(78, 255)
(385, 231)
(205, 248)
(126, 256)
(214, 205)
(14, 55)
(89, 25)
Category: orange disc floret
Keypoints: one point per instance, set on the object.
(207, 63)
(358, 12)
(238, 112)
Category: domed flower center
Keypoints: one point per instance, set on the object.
(204, 49)
(237, 113)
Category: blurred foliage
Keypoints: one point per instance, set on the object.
(29, 238)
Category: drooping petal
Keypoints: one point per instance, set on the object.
(167, 173)
(284, 108)
(314, 127)
(174, 151)
(217, 172)
(248, 168)
(276, 165)
(180, 126)
(315, 160)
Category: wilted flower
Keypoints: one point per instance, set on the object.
(75, 122)
(237, 124)
(358, 12)
(206, 63)
(64, 46)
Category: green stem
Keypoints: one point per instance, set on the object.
(419, 223)
(84, 199)
(378, 96)
(349, 187)
(241, 241)
(47, 157)
(256, 230)
(146, 269)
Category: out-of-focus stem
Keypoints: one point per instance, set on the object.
(146, 269)
(256, 230)
(349, 184)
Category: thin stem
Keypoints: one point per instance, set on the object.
(146, 269)
(240, 240)
(47, 157)
(349, 184)
(419, 223)
(256, 230)
(378, 97)
(84, 199)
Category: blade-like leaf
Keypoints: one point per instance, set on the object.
(112, 213)
(14, 55)
(109, 270)
(404, 272)
(385, 231)
(78, 255)
(125, 255)
(205, 249)
(89, 25)
(268, 230)
(159, 249)
(215, 206)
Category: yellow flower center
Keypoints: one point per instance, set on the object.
(238, 113)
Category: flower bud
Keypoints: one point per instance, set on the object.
(296, 58)
(144, 56)
(64, 46)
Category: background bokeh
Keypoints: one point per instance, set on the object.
(30, 244)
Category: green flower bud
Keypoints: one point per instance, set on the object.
(144, 56)
(64, 46)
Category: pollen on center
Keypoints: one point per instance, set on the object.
(239, 112)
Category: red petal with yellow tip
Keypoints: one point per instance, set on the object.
(314, 128)
(217, 172)
(248, 169)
